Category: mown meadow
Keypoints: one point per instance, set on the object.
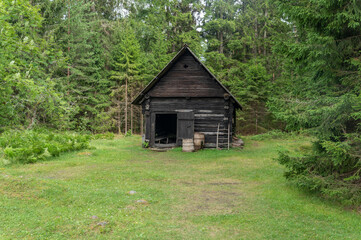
(210, 194)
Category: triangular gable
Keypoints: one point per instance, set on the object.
(185, 76)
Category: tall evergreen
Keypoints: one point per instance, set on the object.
(125, 73)
(322, 91)
(85, 81)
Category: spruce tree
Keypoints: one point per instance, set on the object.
(124, 73)
(85, 81)
(323, 93)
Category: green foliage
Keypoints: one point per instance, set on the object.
(107, 135)
(129, 133)
(85, 80)
(124, 75)
(145, 144)
(33, 145)
(240, 37)
(28, 92)
(65, 64)
(322, 93)
(329, 170)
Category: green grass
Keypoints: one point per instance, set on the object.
(209, 194)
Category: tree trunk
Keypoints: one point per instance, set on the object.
(68, 74)
(255, 37)
(33, 119)
(256, 122)
(131, 115)
(126, 108)
(119, 116)
(265, 33)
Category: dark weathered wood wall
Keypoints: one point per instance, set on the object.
(208, 113)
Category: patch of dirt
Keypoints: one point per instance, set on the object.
(224, 181)
(213, 202)
(215, 196)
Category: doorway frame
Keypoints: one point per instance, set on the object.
(153, 125)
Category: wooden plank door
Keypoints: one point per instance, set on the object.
(185, 126)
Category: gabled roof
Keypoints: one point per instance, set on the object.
(184, 49)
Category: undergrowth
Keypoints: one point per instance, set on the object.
(330, 169)
(30, 146)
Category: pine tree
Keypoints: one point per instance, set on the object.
(85, 80)
(125, 71)
(322, 93)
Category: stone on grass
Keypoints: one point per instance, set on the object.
(142, 201)
(130, 207)
(94, 217)
(102, 224)
(132, 192)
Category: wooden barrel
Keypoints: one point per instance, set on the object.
(188, 145)
(198, 141)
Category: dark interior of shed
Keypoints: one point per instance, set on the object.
(165, 128)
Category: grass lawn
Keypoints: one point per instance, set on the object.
(210, 194)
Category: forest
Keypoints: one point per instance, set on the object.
(294, 65)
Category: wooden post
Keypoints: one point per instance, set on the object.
(217, 136)
(141, 122)
(228, 135)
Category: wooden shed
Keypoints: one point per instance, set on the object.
(184, 98)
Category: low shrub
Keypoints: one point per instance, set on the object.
(30, 146)
(107, 136)
(331, 169)
(129, 133)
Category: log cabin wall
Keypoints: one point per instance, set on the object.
(208, 113)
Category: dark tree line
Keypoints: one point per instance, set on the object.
(103, 52)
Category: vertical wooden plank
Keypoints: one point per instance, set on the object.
(185, 126)
(152, 129)
(147, 125)
(228, 135)
(141, 124)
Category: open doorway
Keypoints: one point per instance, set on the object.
(166, 129)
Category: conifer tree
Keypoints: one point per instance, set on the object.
(322, 93)
(125, 71)
(85, 81)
